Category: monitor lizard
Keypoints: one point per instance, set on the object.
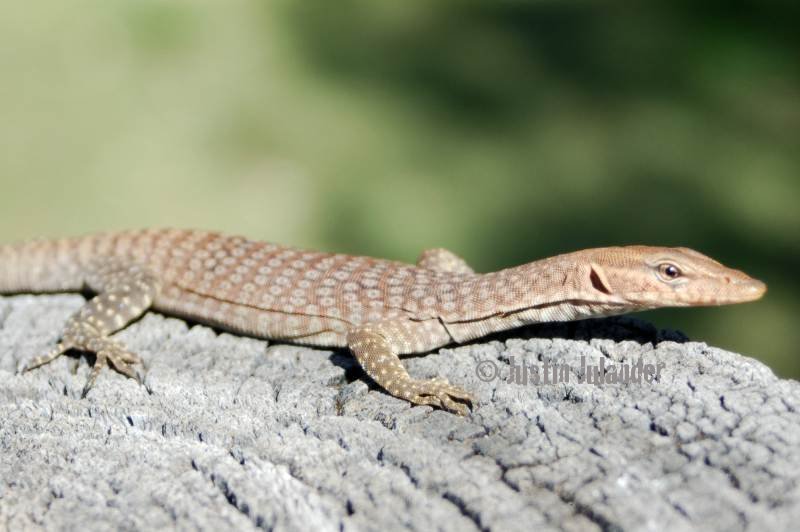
(377, 308)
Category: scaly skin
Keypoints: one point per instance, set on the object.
(378, 308)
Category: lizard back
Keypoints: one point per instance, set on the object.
(244, 285)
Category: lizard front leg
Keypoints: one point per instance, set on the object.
(124, 290)
(376, 347)
(443, 260)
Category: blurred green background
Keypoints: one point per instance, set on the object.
(506, 131)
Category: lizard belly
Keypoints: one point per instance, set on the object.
(464, 331)
(252, 321)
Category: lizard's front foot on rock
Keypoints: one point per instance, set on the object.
(441, 394)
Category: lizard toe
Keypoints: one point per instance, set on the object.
(429, 400)
(122, 366)
(441, 394)
(53, 354)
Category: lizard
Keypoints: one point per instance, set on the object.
(377, 308)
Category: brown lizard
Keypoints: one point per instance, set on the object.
(377, 308)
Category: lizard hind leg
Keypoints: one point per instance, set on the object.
(124, 290)
(371, 344)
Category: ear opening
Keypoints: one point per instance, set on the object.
(599, 281)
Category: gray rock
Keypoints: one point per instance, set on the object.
(236, 433)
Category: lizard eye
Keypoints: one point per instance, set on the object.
(669, 272)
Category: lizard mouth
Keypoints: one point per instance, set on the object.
(730, 292)
(739, 291)
(748, 290)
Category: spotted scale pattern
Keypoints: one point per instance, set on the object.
(254, 288)
(378, 308)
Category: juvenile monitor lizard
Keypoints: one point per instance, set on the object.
(377, 308)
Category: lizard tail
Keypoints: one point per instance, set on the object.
(41, 266)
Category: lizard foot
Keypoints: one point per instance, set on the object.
(110, 353)
(441, 394)
(107, 352)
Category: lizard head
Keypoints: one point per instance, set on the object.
(652, 277)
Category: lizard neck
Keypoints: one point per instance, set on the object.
(555, 289)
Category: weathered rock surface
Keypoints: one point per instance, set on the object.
(239, 434)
